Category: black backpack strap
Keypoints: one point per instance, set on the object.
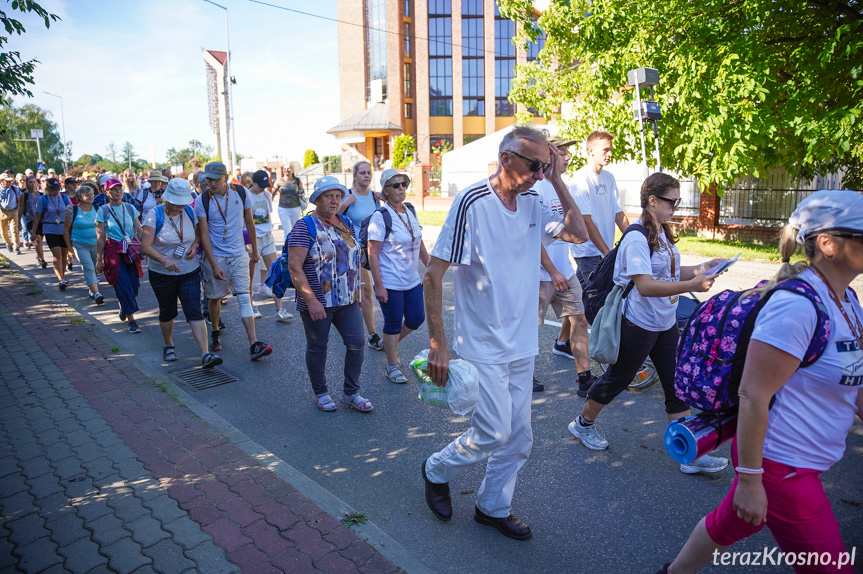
(205, 201)
(241, 191)
(74, 213)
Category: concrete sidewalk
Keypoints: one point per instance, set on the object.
(101, 470)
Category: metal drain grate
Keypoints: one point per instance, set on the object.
(200, 379)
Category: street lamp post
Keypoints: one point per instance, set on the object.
(63, 122)
(230, 89)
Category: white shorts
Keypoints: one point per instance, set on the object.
(236, 270)
(266, 244)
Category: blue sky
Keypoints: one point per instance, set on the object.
(132, 70)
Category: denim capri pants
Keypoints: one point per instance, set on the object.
(407, 306)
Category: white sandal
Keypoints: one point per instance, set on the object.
(325, 403)
(357, 402)
(395, 375)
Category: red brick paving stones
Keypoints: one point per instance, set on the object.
(259, 521)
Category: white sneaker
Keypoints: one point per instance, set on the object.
(704, 463)
(256, 314)
(283, 316)
(591, 436)
(265, 291)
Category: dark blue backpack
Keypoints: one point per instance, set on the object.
(712, 347)
(601, 280)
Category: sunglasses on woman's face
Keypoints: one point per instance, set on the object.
(398, 185)
(675, 203)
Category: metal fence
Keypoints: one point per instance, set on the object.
(769, 201)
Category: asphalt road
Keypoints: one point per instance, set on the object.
(624, 510)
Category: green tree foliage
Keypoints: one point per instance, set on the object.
(16, 122)
(332, 163)
(404, 150)
(745, 85)
(193, 156)
(15, 73)
(310, 158)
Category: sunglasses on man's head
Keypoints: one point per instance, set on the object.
(675, 203)
(533, 165)
(398, 185)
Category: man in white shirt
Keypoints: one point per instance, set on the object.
(222, 210)
(598, 198)
(559, 288)
(492, 235)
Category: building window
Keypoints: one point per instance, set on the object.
(504, 63)
(407, 40)
(473, 60)
(440, 58)
(472, 138)
(409, 111)
(376, 44)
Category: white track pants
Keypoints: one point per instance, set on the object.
(500, 432)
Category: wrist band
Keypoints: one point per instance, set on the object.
(742, 470)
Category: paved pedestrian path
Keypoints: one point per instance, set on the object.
(101, 470)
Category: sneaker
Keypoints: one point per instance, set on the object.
(259, 350)
(62, 285)
(43, 263)
(70, 267)
(584, 387)
(134, 328)
(704, 463)
(537, 386)
(562, 350)
(375, 342)
(9, 247)
(283, 316)
(255, 313)
(265, 291)
(98, 299)
(121, 316)
(591, 436)
(18, 251)
(215, 342)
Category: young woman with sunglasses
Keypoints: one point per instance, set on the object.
(649, 325)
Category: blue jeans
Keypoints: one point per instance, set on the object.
(403, 305)
(87, 257)
(127, 288)
(348, 321)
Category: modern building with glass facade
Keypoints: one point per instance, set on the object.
(435, 69)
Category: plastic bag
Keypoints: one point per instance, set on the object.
(461, 393)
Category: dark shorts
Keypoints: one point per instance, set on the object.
(169, 288)
(55, 240)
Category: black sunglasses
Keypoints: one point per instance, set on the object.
(675, 203)
(848, 235)
(532, 164)
(398, 185)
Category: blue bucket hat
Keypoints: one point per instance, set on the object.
(327, 183)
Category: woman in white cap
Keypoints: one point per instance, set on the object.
(117, 224)
(395, 250)
(324, 262)
(170, 241)
(146, 199)
(779, 452)
(358, 204)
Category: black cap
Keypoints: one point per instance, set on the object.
(53, 183)
(69, 180)
(9, 172)
(261, 178)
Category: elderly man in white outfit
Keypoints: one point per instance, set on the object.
(492, 234)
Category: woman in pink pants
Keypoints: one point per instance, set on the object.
(779, 452)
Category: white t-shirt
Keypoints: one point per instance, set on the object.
(262, 206)
(400, 253)
(167, 240)
(633, 258)
(596, 195)
(558, 251)
(496, 254)
(226, 242)
(149, 203)
(815, 409)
